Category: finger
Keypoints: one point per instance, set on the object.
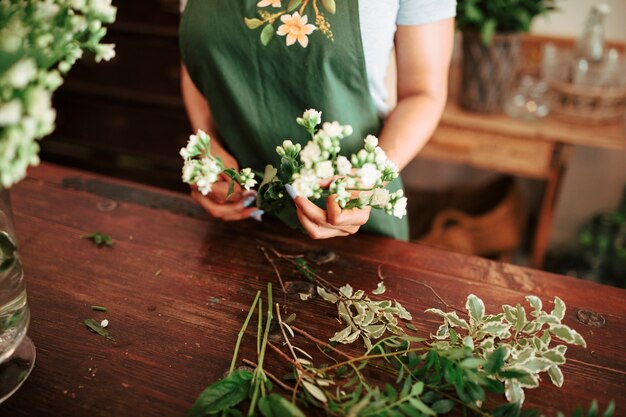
(243, 214)
(216, 209)
(317, 231)
(342, 217)
(326, 183)
(310, 210)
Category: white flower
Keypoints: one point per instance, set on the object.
(265, 3)
(104, 323)
(310, 154)
(21, 73)
(38, 101)
(364, 198)
(369, 175)
(105, 51)
(189, 169)
(324, 169)
(247, 180)
(296, 28)
(371, 142)
(305, 183)
(103, 8)
(342, 196)
(10, 113)
(344, 167)
(312, 116)
(332, 130)
(380, 197)
(399, 207)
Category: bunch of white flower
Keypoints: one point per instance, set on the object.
(367, 172)
(203, 169)
(40, 41)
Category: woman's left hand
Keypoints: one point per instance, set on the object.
(332, 222)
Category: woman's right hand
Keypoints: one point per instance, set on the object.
(239, 206)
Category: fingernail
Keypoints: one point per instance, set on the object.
(256, 215)
(249, 200)
(291, 191)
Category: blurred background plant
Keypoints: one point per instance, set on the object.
(504, 16)
(39, 43)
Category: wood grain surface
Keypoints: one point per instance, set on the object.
(174, 331)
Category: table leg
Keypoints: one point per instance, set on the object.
(560, 158)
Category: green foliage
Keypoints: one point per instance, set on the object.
(222, 394)
(364, 317)
(491, 16)
(99, 239)
(519, 347)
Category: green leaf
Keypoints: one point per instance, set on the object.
(326, 295)
(252, 23)
(496, 360)
(568, 335)
(559, 308)
(442, 406)
(315, 391)
(417, 389)
(275, 405)
(610, 409)
(99, 239)
(535, 303)
(330, 6)
(293, 4)
(231, 189)
(95, 327)
(593, 409)
(380, 288)
(507, 410)
(267, 34)
(556, 376)
(222, 394)
(488, 30)
(476, 308)
(423, 408)
(513, 391)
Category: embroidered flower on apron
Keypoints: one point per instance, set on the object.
(294, 26)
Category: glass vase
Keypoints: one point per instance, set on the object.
(17, 352)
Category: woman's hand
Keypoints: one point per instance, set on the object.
(333, 222)
(239, 206)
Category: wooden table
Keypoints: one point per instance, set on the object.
(174, 331)
(538, 150)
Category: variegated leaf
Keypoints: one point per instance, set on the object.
(535, 303)
(346, 291)
(315, 392)
(568, 335)
(513, 391)
(476, 308)
(559, 308)
(326, 295)
(556, 376)
(341, 335)
(380, 288)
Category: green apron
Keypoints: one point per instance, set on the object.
(255, 92)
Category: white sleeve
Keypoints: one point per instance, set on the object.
(183, 3)
(419, 12)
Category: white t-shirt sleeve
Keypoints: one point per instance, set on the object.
(183, 3)
(419, 12)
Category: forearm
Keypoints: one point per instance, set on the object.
(410, 125)
(422, 68)
(199, 115)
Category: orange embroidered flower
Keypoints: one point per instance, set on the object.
(265, 3)
(295, 27)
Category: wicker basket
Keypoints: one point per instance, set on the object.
(496, 231)
(585, 104)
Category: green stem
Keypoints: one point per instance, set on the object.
(242, 331)
(258, 373)
(259, 328)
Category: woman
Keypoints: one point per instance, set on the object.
(251, 67)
